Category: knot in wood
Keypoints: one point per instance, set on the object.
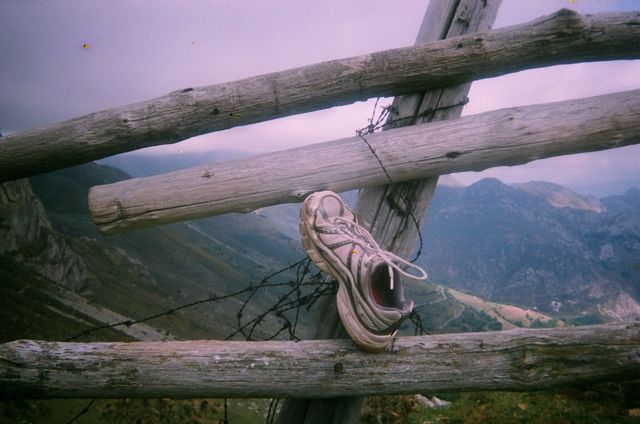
(338, 367)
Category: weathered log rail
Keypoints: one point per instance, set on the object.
(522, 359)
(504, 137)
(564, 37)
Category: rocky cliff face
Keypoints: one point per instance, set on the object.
(26, 235)
(50, 284)
(144, 272)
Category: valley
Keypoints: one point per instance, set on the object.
(499, 257)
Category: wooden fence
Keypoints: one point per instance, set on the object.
(510, 360)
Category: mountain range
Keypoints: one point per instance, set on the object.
(538, 253)
(539, 245)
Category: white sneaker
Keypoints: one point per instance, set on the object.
(370, 298)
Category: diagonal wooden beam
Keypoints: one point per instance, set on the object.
(393, 212)
(443, 19)
(564, 37)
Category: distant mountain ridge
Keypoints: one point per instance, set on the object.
(561, 197)
(143, 165)
(537, 245)
(607, 188)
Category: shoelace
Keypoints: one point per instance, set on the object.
(355, 233)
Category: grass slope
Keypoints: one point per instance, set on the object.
(31, 309)
(600, 403)
(508, 315)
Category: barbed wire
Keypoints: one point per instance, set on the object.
(301, 280)
(385, 120)
(82, 412)
(374, 125)
(416, 319)
(273, 408)
(293, 299)
(285, 303)
(429, 114)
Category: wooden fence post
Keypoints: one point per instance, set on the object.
(393, 226)
(443, 18)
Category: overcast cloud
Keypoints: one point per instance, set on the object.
(137, 50)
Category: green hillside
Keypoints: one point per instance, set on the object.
(147, 272)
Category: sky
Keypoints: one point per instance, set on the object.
(66, 58)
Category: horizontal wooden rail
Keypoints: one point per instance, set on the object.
(522, 359)
(564, 37)
(504, 137)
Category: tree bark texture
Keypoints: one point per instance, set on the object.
(522, 359)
